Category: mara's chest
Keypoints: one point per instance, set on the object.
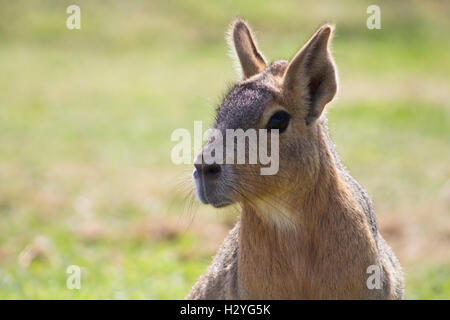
(277, 265)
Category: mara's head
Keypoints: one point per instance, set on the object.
(287, 98)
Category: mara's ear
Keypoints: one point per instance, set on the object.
(242, 42)
(310, 80)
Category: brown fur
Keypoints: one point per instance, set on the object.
(308, 232)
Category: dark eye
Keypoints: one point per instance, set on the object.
(279, 120)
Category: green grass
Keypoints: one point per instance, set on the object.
(430, 283)
(86, 118)
(152, 271)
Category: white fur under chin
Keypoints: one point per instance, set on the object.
(275, 214)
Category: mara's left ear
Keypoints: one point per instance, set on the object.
(243, 42)
(310, 80)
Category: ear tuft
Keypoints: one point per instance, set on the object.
(326, 29)
(243, 45)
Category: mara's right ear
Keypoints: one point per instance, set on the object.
(310, 80)
(242, 42)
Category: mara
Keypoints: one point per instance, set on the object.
(308, 231)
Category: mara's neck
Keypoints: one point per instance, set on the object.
(322, 252)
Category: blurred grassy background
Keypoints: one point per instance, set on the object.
(86, 117)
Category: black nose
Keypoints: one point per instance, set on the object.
(208, 171)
